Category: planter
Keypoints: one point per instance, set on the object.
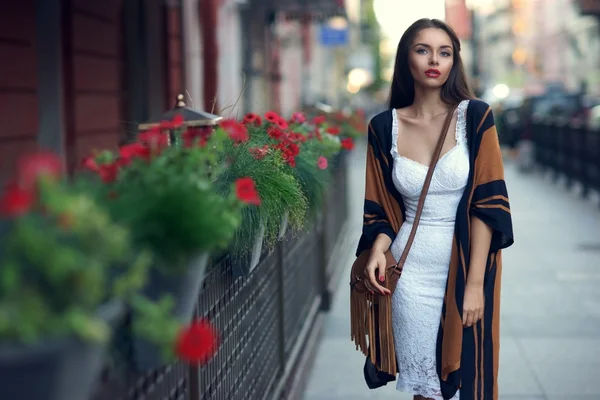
(184, 289)
(58, 369)
(284, 225)
(257, 247)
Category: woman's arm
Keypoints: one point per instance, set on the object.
(474, 301)
(491, 226)
(382, 243)
(481, 238)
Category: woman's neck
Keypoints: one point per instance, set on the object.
(428, 103)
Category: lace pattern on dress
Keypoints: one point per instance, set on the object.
(460, 134)
(418, 298)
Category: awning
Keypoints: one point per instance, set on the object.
(310, 9)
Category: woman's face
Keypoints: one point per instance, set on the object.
(430, 58)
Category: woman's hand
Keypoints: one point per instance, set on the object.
(473, 304)
(376, 272)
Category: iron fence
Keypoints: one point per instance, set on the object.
(569, 150)
(263, 319)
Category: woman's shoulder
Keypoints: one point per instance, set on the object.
(381, 118)
(381, 122)
(478, 107)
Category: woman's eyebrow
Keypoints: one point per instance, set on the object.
(428, 46)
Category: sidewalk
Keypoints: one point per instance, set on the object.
(550, 327)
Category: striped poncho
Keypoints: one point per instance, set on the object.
(467, 358)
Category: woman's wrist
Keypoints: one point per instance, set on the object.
(382, 243)
(475, 282)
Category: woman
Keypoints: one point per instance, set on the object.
(438, 326)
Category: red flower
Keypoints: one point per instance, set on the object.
(319, 119)
(275, 133)
(252, 118)
(289, 151)
(191, 134)
(197, 343)
(294, 149)
(347, 143)
(90, 164)
(31, 166)
(272, 117)
(108, 172)
(291, 160)
(318, 134)
(236, 131)
(298, 118)
(333, 130)
(177, 121)
(134, 150)
(282, 124)
(322, 163)
(297, 137)
(165, 125)
(155, 139)
(259, 152)
(246, 191)
(16, 201)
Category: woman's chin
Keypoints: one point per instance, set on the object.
(431, 84)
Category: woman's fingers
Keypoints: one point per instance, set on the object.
(372, 269)
(470, 318)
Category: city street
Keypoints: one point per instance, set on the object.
(550, 346)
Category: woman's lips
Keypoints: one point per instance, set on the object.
(432, 73)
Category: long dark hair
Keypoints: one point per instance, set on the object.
(456, 88)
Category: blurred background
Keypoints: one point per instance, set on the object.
(80, 75)
(68, 59)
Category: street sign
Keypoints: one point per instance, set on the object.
(330, 37)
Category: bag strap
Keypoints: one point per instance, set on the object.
(428, 177)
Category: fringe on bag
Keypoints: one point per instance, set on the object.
(362, 327)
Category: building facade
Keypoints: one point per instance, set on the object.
(79, 75)
(533, 44)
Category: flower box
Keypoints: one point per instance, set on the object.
(55, 369)
(257, 248)
(184, 289)
(284, 224)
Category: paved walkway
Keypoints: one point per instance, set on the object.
(550, 325)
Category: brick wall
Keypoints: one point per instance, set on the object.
(18, 83)
(93, 77)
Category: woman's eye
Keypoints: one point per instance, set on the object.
(445, 54)
(421, 51)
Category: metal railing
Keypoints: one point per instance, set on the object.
(569, 150)
(263, 319)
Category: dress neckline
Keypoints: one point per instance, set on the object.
(458, 135)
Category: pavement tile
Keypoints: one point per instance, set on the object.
(515, 377)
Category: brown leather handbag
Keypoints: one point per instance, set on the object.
(393, 268)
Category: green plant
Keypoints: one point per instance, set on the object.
(165, 194)
(62, 257)
(278, 189)
(162, 187)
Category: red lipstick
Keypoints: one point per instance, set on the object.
(432, 73)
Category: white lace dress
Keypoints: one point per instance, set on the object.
(418, 298)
